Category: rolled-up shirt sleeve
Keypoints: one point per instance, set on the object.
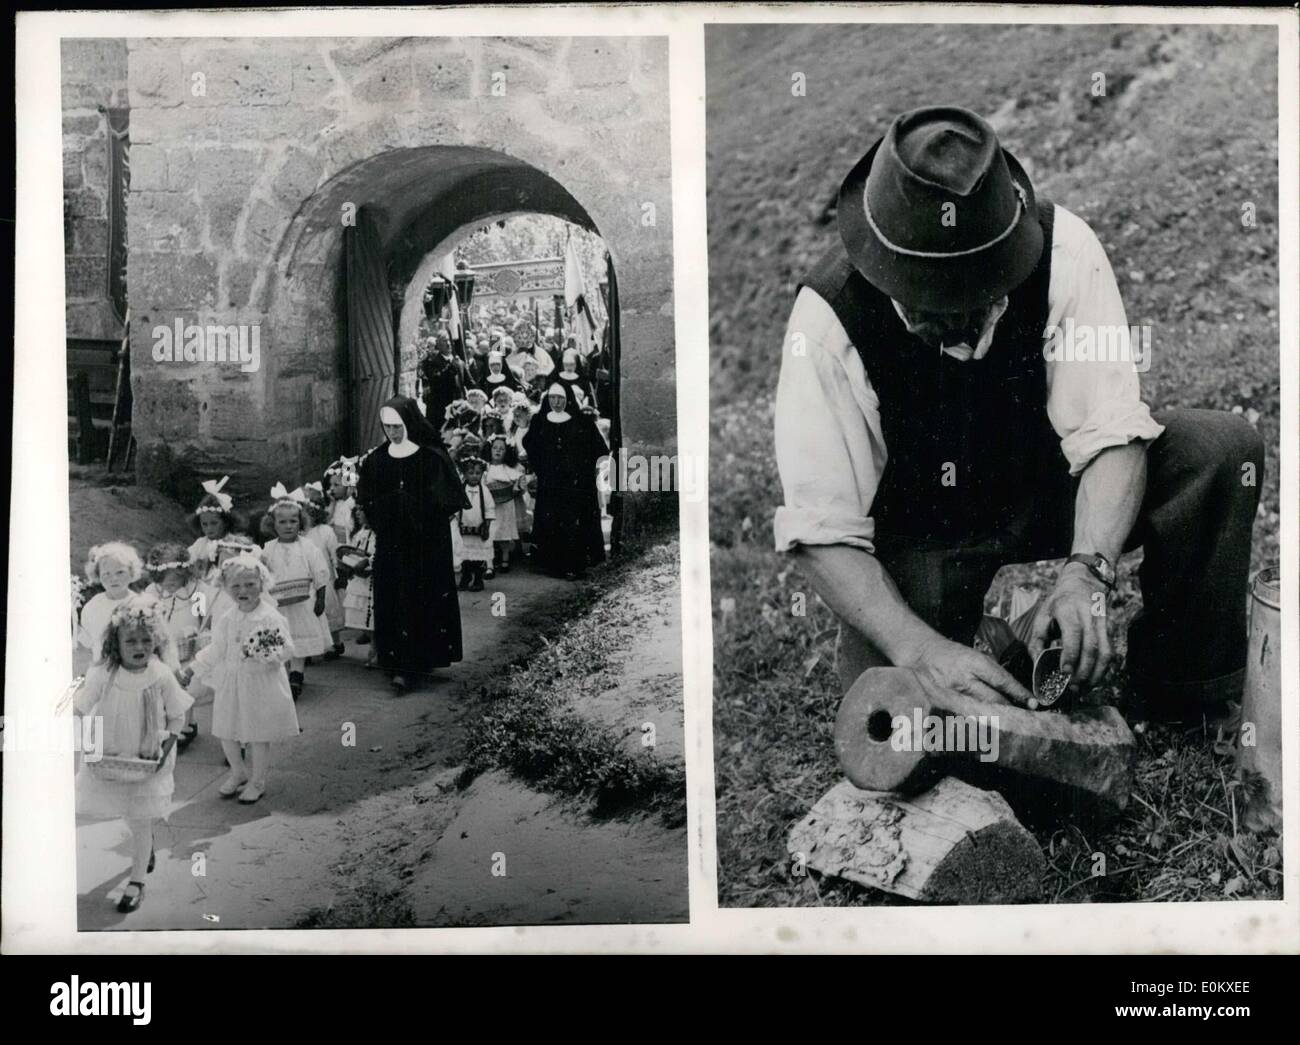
(830, 451)
(1094, 402)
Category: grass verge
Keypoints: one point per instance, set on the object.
(531, 728)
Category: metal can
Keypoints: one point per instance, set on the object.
(1259, 742)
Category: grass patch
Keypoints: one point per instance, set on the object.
(372, 906)
(530, 727)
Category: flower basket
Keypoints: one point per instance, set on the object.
(502, 492)
(119, 769)
(353, 558)
(287, 593)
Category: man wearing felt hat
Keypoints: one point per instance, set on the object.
(929, 430)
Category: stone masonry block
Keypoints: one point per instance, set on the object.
(596, 61)
(172, 281)
(148, 168)
(155, 76)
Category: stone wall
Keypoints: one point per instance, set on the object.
(93, 77)
(245, 153)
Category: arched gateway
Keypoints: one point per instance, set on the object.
(300, 209)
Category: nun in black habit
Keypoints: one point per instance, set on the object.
(409, 489)
(563, 447)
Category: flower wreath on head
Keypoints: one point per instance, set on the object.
(213, 488)
(345, 468)
(163, 567)
(249, 560)
(282, 498)
(137, 611)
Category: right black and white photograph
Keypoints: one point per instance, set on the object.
(994, 463)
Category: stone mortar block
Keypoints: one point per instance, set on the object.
(299, 174)
(226, 170)
(72, 171)
(350, 55)
(386, 81)
(440, 78)
(238, 76)
(223, 221)
(229, 413)
(94, 165)
(428, 128)
(162, 222)
(148, 168)
(93, 61)
(524, 74)
(90, 237)
(94, 320)
(90, 125)
(172, 281)
(615, 104)
(595, 61)
(85, 278)
(181, 171)
(162, 409)
(237, 279)
(74, 96)
(155, 77)
(652, 63)
(534, 46)
(266, 224)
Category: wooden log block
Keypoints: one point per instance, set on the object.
(953, 844)
(891, 733)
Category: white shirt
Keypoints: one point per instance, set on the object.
(830, 448)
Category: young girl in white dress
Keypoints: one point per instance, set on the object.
(504, 481)
(341, 486)
(140, 707)
(322, 534)
(213, 518)
(180, 605)
(253, 705)
(301, 577)
(358, 599)
(475, 524)
(115, 566)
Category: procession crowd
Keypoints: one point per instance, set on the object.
(501, 465)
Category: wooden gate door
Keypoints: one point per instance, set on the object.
(372, 351)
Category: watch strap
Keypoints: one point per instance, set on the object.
(1093, 563)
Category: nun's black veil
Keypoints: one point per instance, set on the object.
(418, 428)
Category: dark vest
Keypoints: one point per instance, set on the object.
(967, 442)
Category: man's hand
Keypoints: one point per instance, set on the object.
(1077, 606)
(950, 667)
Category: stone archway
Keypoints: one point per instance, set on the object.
(421, 200)
(235, 209)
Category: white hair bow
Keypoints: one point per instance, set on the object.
(279, 493)
(214, 487)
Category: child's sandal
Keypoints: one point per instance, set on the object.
(129, 903)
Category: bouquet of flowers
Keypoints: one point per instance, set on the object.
(265, 644)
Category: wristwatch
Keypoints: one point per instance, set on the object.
(1098, 565)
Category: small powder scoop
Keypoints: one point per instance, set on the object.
(1049, 681)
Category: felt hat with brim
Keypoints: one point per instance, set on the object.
(938, 215)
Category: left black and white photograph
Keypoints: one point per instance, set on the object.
(371, 404)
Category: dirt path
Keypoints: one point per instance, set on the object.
(377, 833)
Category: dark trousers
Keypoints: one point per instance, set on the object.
(1187, 646)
